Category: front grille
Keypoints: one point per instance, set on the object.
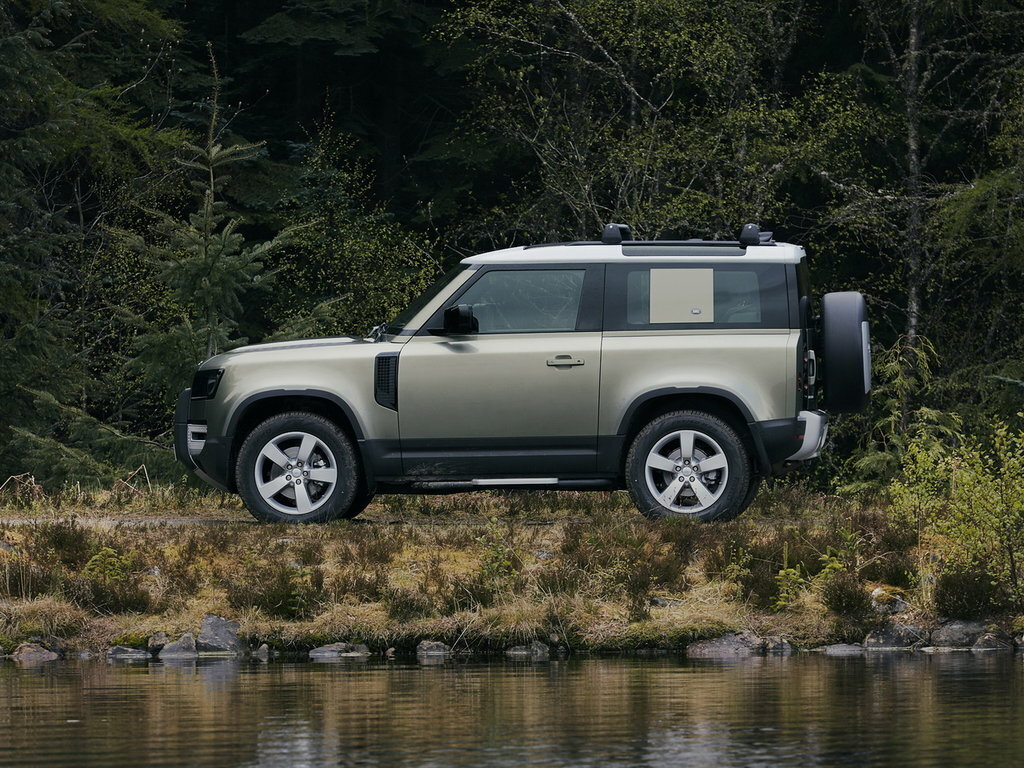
(385, 380)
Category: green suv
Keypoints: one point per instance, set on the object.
(684, 371)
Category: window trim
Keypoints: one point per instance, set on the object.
(589, 316)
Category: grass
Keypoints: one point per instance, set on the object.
(480, 571)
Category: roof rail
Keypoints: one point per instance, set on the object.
(619, 234)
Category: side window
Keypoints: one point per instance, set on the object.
(700, 296)
(526, 300)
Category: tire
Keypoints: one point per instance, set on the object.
(328, 486)
(718, 493)
(846, 352)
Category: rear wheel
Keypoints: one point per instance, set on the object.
(299, 468)
(689, 464)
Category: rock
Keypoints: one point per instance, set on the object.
(156, 642)
(432, 648)
(895, 637)
(8, 547)
(841, 649)
(84, 655)
(262, 653)
(777, 645)
(340, 651)
(126, 653)
(888, 602)
(542, 555)
(34, 652)
(958, 634)
(659, 602)
(535, 650)
(219, 635)
(731, 644)
(993, 641)
(389, 653)
(184, 648)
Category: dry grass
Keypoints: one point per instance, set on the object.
(483, 570)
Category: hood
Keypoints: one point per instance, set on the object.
(283, 346)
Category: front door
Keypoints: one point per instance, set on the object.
(517, 398)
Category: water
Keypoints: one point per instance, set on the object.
(903, 709)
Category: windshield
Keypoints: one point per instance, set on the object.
(398, 324)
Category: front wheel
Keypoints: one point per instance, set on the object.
(689, 464)
(298, 468)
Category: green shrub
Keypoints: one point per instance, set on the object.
(969, 501)
(278, 589)
(966, 595)
(845, 595)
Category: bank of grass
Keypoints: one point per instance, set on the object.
(478, 571)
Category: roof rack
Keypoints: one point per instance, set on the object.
(621, 234)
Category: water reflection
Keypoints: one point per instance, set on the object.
(901, 709)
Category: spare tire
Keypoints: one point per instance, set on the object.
(846, 352)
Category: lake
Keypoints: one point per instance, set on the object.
(807, 710)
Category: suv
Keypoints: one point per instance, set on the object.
(684, 371)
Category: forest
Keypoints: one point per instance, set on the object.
(178, 179)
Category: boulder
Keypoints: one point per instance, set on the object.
(183, 648)
(126, 653)
(993, 641)
(34, 652)
(340, 651)
(729, 645)
(958, 634)
(888, 602)
(219, 635)
(895, 637)
(535, 650)
(777, 645)
(156, 642)
(84, 655)
(432, 648)
(262, 653)
(841, 649)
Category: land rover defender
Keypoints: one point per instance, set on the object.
(683, 371)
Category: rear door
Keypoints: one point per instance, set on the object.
(518, 398)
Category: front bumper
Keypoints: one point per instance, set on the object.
(209, 458)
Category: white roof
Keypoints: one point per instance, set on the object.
(779, 253)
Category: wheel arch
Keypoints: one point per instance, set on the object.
(716, 402)
(259, 407)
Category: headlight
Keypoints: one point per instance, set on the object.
(205, 383)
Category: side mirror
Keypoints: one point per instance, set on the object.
(459, 320)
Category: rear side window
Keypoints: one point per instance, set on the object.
(657, 297)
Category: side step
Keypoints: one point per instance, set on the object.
(536, 483)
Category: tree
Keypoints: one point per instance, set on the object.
(206, 264)
(661, 113)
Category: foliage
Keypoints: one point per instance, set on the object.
(969, 500)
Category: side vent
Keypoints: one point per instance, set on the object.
(385, 380)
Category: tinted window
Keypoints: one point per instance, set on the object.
(526, 300)
(700, 296)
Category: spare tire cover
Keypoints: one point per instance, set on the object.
(846, 351)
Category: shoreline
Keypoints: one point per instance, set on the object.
(483, 572)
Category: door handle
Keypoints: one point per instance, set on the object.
(565, 360)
